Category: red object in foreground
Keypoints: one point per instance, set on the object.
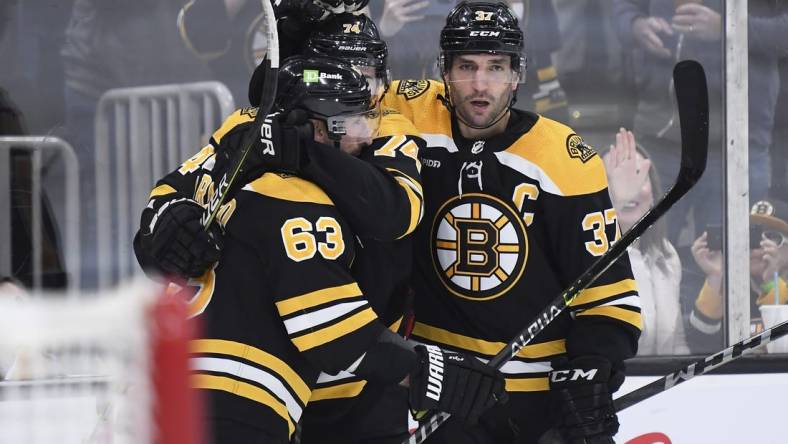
(177, 410)
(651, 438)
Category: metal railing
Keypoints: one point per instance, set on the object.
(68, 224)
(141, 134)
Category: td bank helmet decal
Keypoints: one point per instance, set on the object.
(479, 246)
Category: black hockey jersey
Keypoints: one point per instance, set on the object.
(509, 223)
(286, 264)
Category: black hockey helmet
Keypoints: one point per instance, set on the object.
(331, 90)
(473, 27)
(353, 38)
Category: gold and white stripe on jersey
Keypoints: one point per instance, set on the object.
(321, 316)
(250, 373)
(618, 300)
(344, 384)
(527, 372)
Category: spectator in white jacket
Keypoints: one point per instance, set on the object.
(633, 182)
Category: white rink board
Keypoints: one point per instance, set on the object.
(719, 409)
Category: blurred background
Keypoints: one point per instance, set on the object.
(98, 98)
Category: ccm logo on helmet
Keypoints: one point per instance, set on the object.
(572, 375)
(485, 33)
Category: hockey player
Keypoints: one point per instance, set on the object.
(281, 304)
(516, 208)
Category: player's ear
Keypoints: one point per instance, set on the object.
(321, 132)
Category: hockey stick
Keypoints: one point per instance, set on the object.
(271, 64)
(693, 104)
(702, 366)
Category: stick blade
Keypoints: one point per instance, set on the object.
(692, 97)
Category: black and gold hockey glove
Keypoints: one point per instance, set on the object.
(454, 383)
(581, 401)
(172, 236)
(279, 146)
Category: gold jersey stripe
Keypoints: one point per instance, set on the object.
(622, 314)
(334, 331)
(289, 188)
(161, 190)
(346, 390)
(318, 297)
(527, 385)
(203, 297)
(415, 207)
(480, 346)
(267, 360)
(246, 390)
(593, 294)
(239, 117)
(395, 326)
(412, 181)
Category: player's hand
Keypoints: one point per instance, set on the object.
(175, 238)
(698, 21)
(398, 13)
(454, 383)
(646, 31)
(581, 401)
(279, 146)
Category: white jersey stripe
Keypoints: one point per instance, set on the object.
(318, 317)
(530, 169)
(250, 373)
(439, 141)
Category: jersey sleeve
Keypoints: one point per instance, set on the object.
(380, 192)
(191, 180)
(583, 226)
(308, 249)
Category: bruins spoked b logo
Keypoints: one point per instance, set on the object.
(479, 246)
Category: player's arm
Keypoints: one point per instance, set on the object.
(380, 192)
(606, 316)
(329, 321)
(171, 240)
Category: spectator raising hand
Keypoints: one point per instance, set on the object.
(698, 21)
(398, 13)
(627, 173)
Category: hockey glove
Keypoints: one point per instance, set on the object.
(454, 383)
(317, 10)
(279, 146)
(173, 236)
(581, 403)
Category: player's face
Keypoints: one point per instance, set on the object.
(481, 86)
(632, 211)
